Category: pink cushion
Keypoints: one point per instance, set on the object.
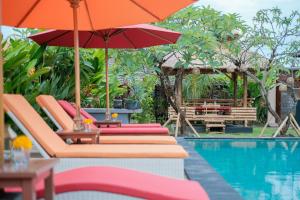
(153, 125)
(67, 107)
(127, 182)
(134, 131)
(71, 110)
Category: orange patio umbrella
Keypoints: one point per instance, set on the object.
(80, 15)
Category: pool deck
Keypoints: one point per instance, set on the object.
(197, 169)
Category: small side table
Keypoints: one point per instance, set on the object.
(93, 135)
(107, 124)
(26, 178)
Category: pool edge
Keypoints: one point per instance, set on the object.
(198, 169)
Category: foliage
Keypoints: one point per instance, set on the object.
(269, 46)
(21, 73)
(30, 69)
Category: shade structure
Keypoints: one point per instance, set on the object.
(79, 15)
(92, 14)
(134, 36)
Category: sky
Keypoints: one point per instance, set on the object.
(246, 8)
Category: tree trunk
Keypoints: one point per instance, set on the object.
(264, 94)
(170, 94)
(178, 96)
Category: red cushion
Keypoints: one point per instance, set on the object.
(127, 182)
(71, 110)
(153, 125)
(67, 107)
(134, 131)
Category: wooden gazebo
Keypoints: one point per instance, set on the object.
(240, 109)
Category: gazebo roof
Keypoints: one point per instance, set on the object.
(197, 67)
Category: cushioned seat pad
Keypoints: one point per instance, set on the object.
(125, 182)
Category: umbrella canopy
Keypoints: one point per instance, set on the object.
(92, 14)
(135, 36)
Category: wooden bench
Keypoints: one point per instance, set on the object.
(245, 114)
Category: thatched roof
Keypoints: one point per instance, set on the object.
(197, 67)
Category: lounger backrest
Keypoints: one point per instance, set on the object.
(71, 110)
(34, 123)
(50, 104)
(87, 115)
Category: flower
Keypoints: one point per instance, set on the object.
(114, 115)
(22, 142)
(88, 121)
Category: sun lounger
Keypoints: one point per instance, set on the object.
(63, 121)
(71, 110)
(124, 182)
(164, 160)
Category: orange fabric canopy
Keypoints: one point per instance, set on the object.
(92, 14)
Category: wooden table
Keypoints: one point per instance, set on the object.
(93, 135)
(26, 178)
(107, 124)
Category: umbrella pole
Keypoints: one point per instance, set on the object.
(75, 5)
(107, 113)
(2, 135)
(1, 96)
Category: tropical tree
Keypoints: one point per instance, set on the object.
(269, 46)
(202, 30)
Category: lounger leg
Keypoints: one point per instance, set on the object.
(49, 186)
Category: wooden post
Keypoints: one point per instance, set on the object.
(234, 79)
(75, 5)
(245, 96)
(1, 97)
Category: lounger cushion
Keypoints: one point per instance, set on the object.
(122, 151)
(116, 130)
(56, 147)
(70, 109)
(134, 131)
(125, 182)
(129, 139)
(33, 122)
(51, 105)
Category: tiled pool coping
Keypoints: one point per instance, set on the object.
(197, 169)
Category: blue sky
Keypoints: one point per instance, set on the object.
(246, 8)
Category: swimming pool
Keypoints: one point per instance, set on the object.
(259, 169)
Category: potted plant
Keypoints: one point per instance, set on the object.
(118, 103)
(132, 104)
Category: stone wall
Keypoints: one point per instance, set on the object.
(287, 104)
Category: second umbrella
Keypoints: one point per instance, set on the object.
(135, 36)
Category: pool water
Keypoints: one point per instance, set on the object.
(258, 169)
